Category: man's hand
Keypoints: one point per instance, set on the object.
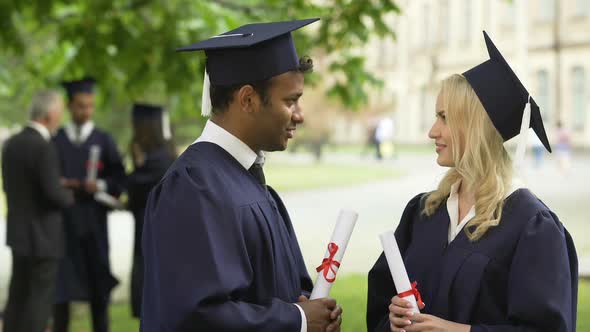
(90, 187)
(322, 314)
(70, 183)
(424, 322)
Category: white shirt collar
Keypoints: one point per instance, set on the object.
(453, 208)
(41, 129)
(213, 133)
(85, 131)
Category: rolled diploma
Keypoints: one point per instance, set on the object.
(397, 267)
(340, 236)
(93, 163)
(107, 200)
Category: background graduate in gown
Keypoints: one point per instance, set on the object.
(487, 254)
(85, 273)
(152, 151)
(220, 252)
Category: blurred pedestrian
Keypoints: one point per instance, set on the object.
(563, 147)
(92, 166)
(34, 230)
(537, 149)
(383, 138)
(152, 151)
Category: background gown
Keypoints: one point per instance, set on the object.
(139, 184)
(85, 270)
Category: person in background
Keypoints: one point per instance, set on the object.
(92, 167)
(563, 147)
(34, 230)
(152, 151)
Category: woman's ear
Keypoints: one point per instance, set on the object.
(248, 99)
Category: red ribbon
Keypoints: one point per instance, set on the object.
(99, 165)
(414, 291)
(328, 262)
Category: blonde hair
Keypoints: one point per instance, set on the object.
(480, 160)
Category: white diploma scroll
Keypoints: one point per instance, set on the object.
(397, 267)
(108, 200)
(93, 161)
(336, 248)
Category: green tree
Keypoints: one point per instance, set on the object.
(128, 45)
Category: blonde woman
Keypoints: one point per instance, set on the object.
(486, 253)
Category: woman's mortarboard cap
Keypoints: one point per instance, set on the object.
(503, 95)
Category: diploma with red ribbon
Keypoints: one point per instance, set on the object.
(333, 257)
(398, 271)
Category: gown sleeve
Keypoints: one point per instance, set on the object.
(197, 267)
(114, 171)
(541, 287)
(380, 286)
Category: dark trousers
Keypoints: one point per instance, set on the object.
(31, 294)
(98, 309)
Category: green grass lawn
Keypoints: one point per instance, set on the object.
(350, 291)
(285, 176)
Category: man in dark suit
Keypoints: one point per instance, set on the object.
(34, 196)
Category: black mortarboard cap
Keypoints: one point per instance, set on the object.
(251, 53)
(85, 85)
(142, 112)
(503, 96)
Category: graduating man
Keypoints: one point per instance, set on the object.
(34, 232)
(92, 166)
(220, 251)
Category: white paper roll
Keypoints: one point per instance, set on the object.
(93, 160)
(397, 267)
(334, 253)
(108, 200)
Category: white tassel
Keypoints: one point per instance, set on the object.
(206, 98)
(522, 140)
(166, 132)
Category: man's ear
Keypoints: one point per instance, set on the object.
(248, 99)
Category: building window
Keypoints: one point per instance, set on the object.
(509, 16)
(582, 7)
(444, 23)
(543, 95)
(467, 18)
(426, 110)
(546, 10)
(579, 98)
(426, 25)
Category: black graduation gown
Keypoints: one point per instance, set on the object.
(220, 250)
(521, 276)
(85, 270)
(139, 184)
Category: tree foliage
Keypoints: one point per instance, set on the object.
(128, 45)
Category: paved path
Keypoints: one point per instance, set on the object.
(380, 205)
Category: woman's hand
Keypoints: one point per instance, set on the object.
(401, 314)
(424, 322)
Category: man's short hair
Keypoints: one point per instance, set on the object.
(42, 103)
(222, 96)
